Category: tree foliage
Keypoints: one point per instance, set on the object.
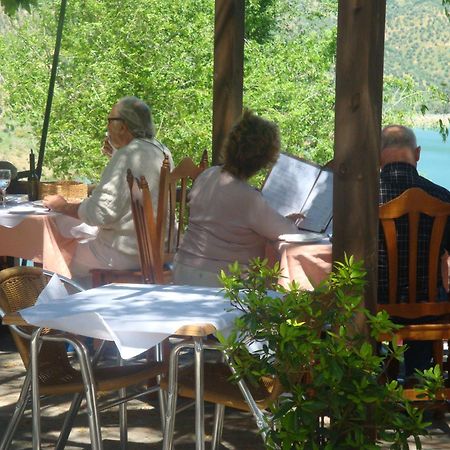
(417, 44)
(163, 52)
(11, 6)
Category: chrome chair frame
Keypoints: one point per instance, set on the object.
(198, 344)
(30, 389)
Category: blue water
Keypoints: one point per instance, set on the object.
(434, 161)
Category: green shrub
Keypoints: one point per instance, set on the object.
(318, 347)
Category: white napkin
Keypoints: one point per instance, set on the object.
(84, 232)
(73, 228)
(54, 290)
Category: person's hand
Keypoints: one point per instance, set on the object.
(107, 148)
(295, 217)
(55, 202)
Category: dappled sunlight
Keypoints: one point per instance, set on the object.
(136, 317)
(144, 426)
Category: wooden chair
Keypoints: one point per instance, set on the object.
(148, 241)
(157, 240)
(19, 288)
(413, 203)
(172, 213)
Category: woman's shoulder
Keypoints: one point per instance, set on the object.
(239, 187)
(212, 172)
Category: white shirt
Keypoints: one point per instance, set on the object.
(109, 206)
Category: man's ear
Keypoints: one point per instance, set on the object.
(417, 153)
(124, 126)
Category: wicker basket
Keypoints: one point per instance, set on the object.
(70, 190)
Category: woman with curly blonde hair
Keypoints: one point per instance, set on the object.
(230, 220)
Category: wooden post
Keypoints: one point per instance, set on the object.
(228, 69)
(359, 88)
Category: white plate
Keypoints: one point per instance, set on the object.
(303, 238)
(28, 210)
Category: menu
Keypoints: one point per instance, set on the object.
(295, 185)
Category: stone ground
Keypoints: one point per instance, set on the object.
(144, 431)
(240, 432)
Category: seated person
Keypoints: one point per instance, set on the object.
(230, 220)
(131, 144)
(398, 158)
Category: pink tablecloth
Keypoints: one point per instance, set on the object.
(37, 238)
(308, 265)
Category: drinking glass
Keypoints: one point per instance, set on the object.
(5, 179)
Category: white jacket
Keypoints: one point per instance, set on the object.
(109, 206)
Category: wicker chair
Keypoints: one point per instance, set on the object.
(19, 288)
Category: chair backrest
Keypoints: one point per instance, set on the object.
(145, 225)
(412, 203)
(20, 288)
(172, 200)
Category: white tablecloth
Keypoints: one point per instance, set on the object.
(135, 317)
(11, 216)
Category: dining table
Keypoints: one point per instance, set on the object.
(304, 258)
(309, 261)
(137, 317)
(31, 232)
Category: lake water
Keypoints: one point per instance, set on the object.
(434, 161)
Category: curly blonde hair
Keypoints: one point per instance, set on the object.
(252, 144)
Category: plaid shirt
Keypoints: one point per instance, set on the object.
(394, 179)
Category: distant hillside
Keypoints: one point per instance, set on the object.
(417, 39)
(418, 43)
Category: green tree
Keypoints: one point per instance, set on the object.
(162, 52)
(11, 6)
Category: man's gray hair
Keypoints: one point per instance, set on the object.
(137, 115)
(398, 136)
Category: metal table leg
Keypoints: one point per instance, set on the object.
(199, 400)
(172, 394)
(36, 405)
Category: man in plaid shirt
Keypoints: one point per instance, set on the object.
(399, 156)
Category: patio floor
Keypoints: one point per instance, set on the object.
(144, 431)
(240, 432)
